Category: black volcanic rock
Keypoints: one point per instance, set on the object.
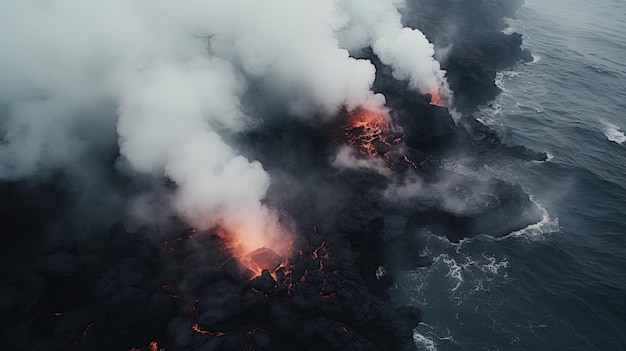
(428, 128)
(490, 207)
(59, 264)
(264, 283)
(485, 140)
(235, 270)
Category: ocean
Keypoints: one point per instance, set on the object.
(559, 284)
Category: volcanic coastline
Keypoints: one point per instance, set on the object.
(188, 290)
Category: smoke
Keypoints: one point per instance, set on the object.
(347, 158)
(449, 193)
(292, 46)
(162, 84)
(406, 50)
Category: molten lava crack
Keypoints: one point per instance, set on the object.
(373, 136)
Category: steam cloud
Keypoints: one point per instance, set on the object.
(163, 83)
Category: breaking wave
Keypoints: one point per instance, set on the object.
(547, 225)
(613, 133)
(424, 341)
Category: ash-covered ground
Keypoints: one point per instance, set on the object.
(104, 286)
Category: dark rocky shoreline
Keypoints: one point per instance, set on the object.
(184, 290)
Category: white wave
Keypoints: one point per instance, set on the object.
(489, 114)
(503, 76)
(538, 230)
(550, 157)
(467, 273)
(536, 58)
(493, 266)
(423, 341)
(527, 107)
(426, 337)
(613, 133)
(455, 270)
(499, 81)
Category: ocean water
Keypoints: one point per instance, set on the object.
(559, 284)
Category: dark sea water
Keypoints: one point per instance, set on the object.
(560, 284)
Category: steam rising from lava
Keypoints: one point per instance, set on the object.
(177, 136)
(164, 82)
(406, 50)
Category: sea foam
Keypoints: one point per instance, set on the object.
(613, 133)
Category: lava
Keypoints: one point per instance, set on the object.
(316, 253)
(196, 328)
(84, 334)
(437, 99)
(87, 328)
(234, 250)
(409, 161)
(253, 257)
(369, 131)
(153, 346)
(263, 258)
(372, 135)
(373, 141)
(260, 258)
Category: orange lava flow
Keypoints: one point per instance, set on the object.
(256, 260)
(437, 100)
(372, 134)
(368, 130)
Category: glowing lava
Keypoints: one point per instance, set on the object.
(369, 131)
(152, 347)
(437, 99)
(373, 137)
(269, 255)
(196, 328)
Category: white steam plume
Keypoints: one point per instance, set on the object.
(168, 77)
(407, 51)
(293, 45)
(167, 120)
